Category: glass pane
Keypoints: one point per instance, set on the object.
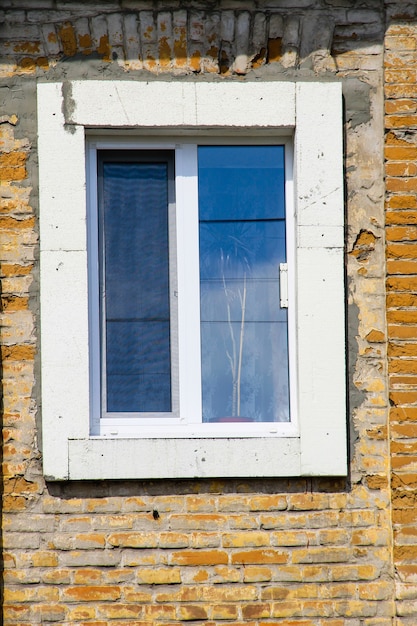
(242, 242)
(136, 287)
(241, 182)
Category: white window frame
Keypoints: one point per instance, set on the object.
(313, 444)
(189, 421)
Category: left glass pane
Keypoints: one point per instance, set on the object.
(136, 354)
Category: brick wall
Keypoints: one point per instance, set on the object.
(294, 552)
(401, 220)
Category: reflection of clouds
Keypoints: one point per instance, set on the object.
(241, 181)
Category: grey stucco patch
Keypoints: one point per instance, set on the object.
(356, 397)
(357, 101)
(68, 105)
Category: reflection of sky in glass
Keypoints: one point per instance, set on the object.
(241, 182)
(242, 242)
(138, 377)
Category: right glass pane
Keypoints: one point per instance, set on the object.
(244, 333)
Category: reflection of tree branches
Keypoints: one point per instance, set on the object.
(229, 255)
(231, 357)
(242, 331)
(235, 361)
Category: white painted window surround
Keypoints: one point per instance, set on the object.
(314, 444)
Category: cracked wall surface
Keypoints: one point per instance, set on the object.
(305, 552)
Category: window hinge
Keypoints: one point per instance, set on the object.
(283, 285)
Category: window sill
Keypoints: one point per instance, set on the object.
(100, 458)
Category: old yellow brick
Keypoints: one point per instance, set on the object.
(120, 611)
(254, 574)
(31, 594)
(230, 593)
(333, 536)
(50, 613)
(14, 503)
(200, 576)
(90, 593)
(253, 557)
(10, 173)
(401, 184)
(286, 609)
(185, 593)
(381, 590)
(164, 612)
(256, 611)
(18, 577)
(205, 540)
(180, 46)
(400, 42)
(199, 557)
(196, 504)
(173, 540)
(192, 612)
(353, 572)
(16, 613)
(224, 612)
(76, 523)
(268, 503)
(289, 538)
(118, 575)
(245, 539)
(377, 481)
(355, 608)
(44, 559)
(133, 594)
(81, 613)
(87, 576)
(56, 576)
(203, 521)
(19, 485)
(102, 505)
(405, 366)
(113, 521)
(133, 540)
(405, 105)
(369, 536)
(68, 39)
(159, 576)
(225, 574)
(401, 233)
(165, 504)
(18, 353)
(321, 555)
(89, 540)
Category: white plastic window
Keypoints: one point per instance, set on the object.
(234, 376)
(312, 441)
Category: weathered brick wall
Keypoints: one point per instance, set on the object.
(401, 220)
(294, 552)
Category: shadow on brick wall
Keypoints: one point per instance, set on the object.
(105, 489)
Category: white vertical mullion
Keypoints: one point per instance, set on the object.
(290, 226)
(93, 290)
(186, 193)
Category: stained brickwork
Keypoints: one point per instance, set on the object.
(294, 552)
